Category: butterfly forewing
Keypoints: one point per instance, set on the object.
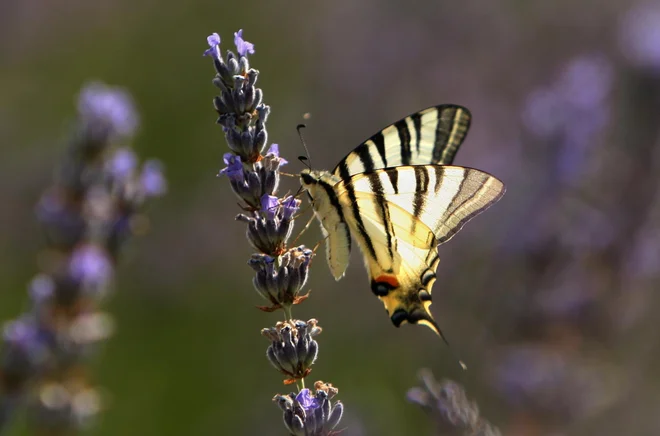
(431, 136)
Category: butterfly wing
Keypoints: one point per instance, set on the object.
(399, 216)
(431, 136)
(320, 186)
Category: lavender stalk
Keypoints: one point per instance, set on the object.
(280, 271)
(88, 215)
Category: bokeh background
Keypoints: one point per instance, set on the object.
(550, 297)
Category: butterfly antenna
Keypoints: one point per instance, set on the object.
(306, 160)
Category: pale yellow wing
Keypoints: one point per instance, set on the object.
(320, 186)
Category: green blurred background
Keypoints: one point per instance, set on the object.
(187, 357)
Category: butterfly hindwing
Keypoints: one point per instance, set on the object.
(431, 136)
(331, 215)
(399, 215)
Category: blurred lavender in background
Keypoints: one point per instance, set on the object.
(448, 405)
(88, 214)
(560, 364)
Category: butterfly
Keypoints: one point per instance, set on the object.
(399, 196)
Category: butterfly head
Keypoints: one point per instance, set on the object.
(315, 181)
(309, 177)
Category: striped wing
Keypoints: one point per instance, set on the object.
(399, 216)
(431, 136)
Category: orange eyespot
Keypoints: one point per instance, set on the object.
(389, 280)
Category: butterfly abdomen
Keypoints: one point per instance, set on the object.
(409, 303)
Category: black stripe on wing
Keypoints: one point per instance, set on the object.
(450, 131)
(383, 211)
(430, 136)
(355, 209)
(404, 140)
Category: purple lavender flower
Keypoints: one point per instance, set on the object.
(25, 350)
(152, 180)
(41, 288)
(101, 106)
(122, 164)
(290, 206)
(270, 206)
(22, 332)
(242, 46)
(91, 266)
(274, 153)
(307, 400)
(214, 45)
(640, 35)
(234, 169)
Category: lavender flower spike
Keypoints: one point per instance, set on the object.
(280, 271)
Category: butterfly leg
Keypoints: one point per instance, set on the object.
(303, 230)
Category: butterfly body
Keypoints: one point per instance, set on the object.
(397, 195)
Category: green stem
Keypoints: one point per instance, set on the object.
(287, 313)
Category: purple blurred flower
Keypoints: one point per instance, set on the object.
(41, 288)
(21, 332)
(122, 164)
(214, 43)
(542, 113)
(109, 106)
(307, 400)
(242, 46)
(234, 169)
(90, 264)
(586, 81)
(290, 206)
(269, 204)
(639, 35)
(152, 179)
